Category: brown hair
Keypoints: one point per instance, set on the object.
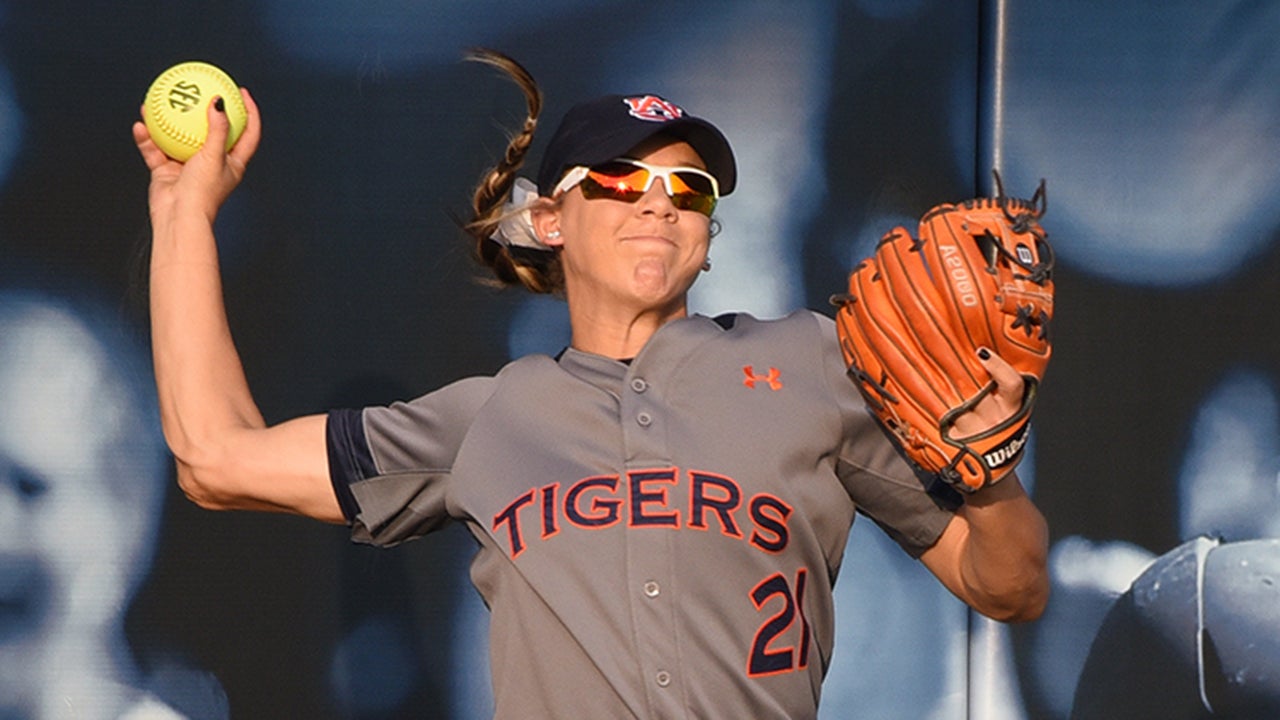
(536, 270)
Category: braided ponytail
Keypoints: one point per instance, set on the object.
(536, 270)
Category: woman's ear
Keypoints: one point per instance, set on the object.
(546, 223)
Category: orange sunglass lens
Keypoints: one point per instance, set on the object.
(622, 181)
(618, 179)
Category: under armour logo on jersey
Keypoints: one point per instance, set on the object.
(772, 378)
(653, 108)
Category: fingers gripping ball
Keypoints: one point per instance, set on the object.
(175, 108)
(979, 275)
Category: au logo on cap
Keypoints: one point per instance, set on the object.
(653, 108)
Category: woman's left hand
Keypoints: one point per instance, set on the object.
(1000, 404)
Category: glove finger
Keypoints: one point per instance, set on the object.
(925, 315)
(920, 390)
(959, 275)
(868, 350)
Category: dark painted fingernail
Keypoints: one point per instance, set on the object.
(984, 353)
(219, 105)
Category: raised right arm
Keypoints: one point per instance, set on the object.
(227, 456)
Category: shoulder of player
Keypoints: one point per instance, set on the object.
(533, 363)
(804, 340)
(799, 324)
(800, 341)
(539, 370)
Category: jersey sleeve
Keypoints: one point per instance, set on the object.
(909, 505)
(390, 466)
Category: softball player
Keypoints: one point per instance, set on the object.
(660, 509)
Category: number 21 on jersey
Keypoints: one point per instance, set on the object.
(773, 651)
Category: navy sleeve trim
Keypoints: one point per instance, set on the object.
(349, 457)
(726, 321)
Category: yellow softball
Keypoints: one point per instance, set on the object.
(176, 105)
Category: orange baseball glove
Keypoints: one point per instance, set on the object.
(978, 276)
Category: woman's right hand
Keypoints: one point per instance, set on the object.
(202, 183)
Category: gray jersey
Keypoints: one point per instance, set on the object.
(657, 539)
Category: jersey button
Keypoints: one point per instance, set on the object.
(652, 589)
(645, 419)
(639, 385)
(663, 678)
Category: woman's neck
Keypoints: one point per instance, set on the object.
(618, 335)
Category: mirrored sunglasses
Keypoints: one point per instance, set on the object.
(627, 180)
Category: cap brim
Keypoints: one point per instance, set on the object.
(710, 144)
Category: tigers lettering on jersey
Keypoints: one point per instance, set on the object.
(715, 502)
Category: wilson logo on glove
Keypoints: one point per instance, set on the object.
(979, 275)
(1012, 450)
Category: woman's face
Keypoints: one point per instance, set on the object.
(640, 256)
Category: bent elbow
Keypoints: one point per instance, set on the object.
(199, 488)
(1028, 609)
(206, 460)
(1024, 602)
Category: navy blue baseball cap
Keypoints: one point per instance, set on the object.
(609, 127)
